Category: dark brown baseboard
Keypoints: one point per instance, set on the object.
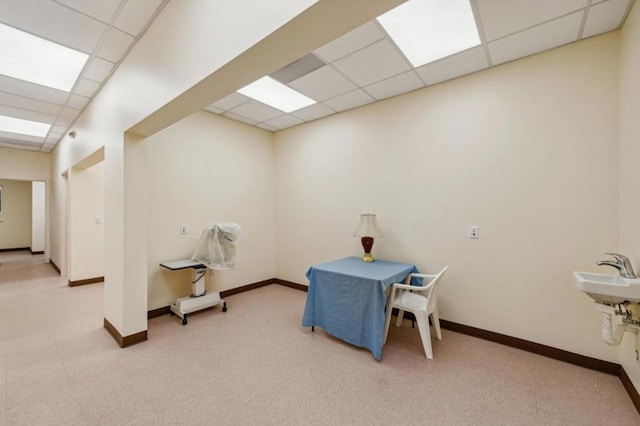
(242, 289)
(631, 390)
(125, 341)
(15, 249)
(154, 313)
(291, 284)
(166, 310)
(536, 348)
(54, 266)
(85, 282)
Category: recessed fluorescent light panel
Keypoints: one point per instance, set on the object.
(428, 30)
(275, 94)
(23, 127)
(34, 59)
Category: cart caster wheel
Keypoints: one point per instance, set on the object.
(184, 320)
(224, 307)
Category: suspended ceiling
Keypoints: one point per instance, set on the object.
(103, 29)
(361, 67)
(366, 66)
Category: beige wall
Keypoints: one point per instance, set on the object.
(629, 168)
(193, 39)
(38, 216)
(27, 166)
(15, 217)
(24, 165)
(86, 223)
(527, 151)
(207, 169)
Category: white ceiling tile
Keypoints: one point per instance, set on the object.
(79, 102)
(115, 45)
(136, 14)
(102, 10)
(374, 63)
(396, 85)
(98, 69)
(26, 114)
(231, 101)
(46, 148)
(54, 22)
(69, 112)
(323, 83)
(33, 91)
(86, 87)
(503, 17)
(454, 66)
(313, 112)
(239, 118)
(284, 121)
(605, 17)
(547, 36)
(213, 109)
(267, 127)
(59, 129)
(349, 100)
(21, 102)
(54, 135)
(63, 121)
(257, 111)
(357, 39)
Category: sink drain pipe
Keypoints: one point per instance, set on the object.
(613, 336)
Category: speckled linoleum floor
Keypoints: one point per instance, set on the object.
(255, 365)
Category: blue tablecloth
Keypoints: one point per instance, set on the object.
(346, 298)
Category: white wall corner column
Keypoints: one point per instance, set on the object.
(126, 242)
(38, 216)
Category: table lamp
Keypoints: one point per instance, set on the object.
(367, 229)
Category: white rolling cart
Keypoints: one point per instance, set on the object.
(215, 250)
(200, 298)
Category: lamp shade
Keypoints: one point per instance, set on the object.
(368, 226)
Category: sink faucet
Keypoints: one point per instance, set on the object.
(621, 263)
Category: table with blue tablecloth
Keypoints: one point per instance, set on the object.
(346, 298)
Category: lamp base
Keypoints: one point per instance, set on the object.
(367, 257)
(367, 245)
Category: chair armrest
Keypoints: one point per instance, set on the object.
(417, 275)
(405, 286)
(429, 277)
(411, 287)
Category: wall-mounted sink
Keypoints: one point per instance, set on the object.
(608, 288)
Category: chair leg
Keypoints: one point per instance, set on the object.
(387, 321)
(425, 334)
(400, 317)
(435, 318)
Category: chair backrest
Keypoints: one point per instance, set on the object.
(432, 296)
(429, 286)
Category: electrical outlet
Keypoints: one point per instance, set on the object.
(184, 229)
(474, 232)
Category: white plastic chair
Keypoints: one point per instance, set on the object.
(421, 302)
